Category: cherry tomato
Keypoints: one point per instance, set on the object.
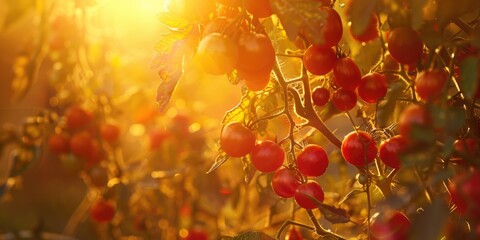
(359, 149)
(413, 115)
(267, 156)
(344, 100)
(98, 176)
(466, 146)
(58, 143)
(405, 45)
(157, 137)
(332, 28)
(237, 140)
(293, 234)
(81, 144)
(346, 73)
(77, 117)
(217, 54)
(196, 233)
(110, 132)
(430, 83)
(259, 8)
(390, 150)
(465, 193)
(370, 33)
(391, 225)
(255, 81)
(372, 87)
(319, 60)
(312, 161)
(320, 96)
(306, 191)
(256, 53)
(102, 211)
(285, 181)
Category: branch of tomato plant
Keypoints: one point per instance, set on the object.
(319, 229)
(288, 223)
(462, 25)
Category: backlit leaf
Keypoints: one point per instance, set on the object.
(334, 214)
(469, 75)
(238, 113)
(219, 161)
(173, 21)
(168, 41)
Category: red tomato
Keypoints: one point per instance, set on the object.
(429, 84)
(255, 81)
(259, 8)
(320, 96)
(370, 33)
(217, 54)
(359, 149)
(157, 137)
(372, 87)
(390, 226)
(390, 150)
(81, 144)
(58, 143)
(306, 191)
(285, 181)
(466, 146)
(465, 193)
(346, 73)
(413, 115)
(319, 60)
(344, 100)
(98, 176)
(405, 45)
(312, 161)
(293, 234)
(77, 117)
(267, 156)
(332, 28)
(102, 211)
(237, 140)
(256, 53)
(109, 132)
(196, 233)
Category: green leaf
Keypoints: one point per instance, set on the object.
(436, 216)
(238, 113)
(360, 15)
(219, 161)
(173, 21)
(469, 76)
(253, 236)
(301, 15)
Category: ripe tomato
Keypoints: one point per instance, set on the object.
(332, 28)
(255, 81)
(217, 54)
(312, 161)
(405, 45)
(320, 96)
(285, 181)
(102, 211)
(58, 143)
(81, 144)
(430, 83)
(370, 33)
(372, 87)
(259, 8)
(466, 146)
(256, 53)
(319, 60)
(157, 137)
(413, 115)
(110, 132)
(293, 234)
(391, 225)
(237, 140)
(196, 233)
(390, 150)
(359, 149)
(307, 190)
(466, 193)
(346, 73)
(344, 100)
(77, 117)
(267, 156)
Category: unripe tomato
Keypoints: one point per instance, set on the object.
(102, 211)
(390, 226)
(217, 54)
(359, 149)
(346, 73)
(58, 143)
(390, 150)
(319, 60)
(109, 132)
(285, 182)
(306, 191)
(320, 96)
(256, 53)
(77, 117)
(413, 115)
(81, 144)
(372, 87)
(344, 100)
(465, 193)
(267, 156)
(259, 8)
(430, 83)
(237, 140)
(312, 161)
(370, 33)
(405, 45)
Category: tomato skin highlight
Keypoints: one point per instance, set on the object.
(312, 161)
(307, 190)
(285, 182)
(267, 156)
(353, 149)
(405, 45)
(256, 53)
(237, 140)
